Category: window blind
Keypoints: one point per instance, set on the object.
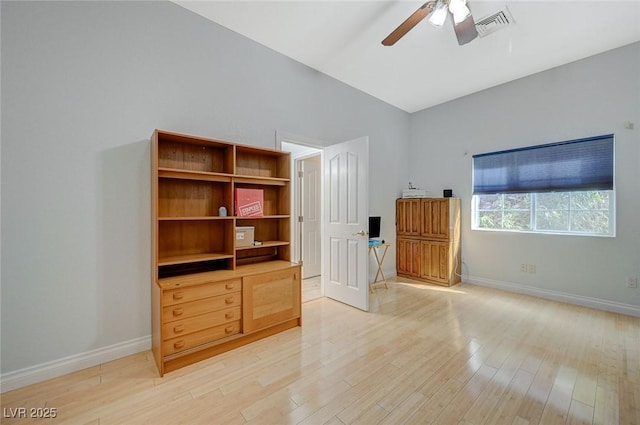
(582, 164)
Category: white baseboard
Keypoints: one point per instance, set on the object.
(53, 369)
(597, 303)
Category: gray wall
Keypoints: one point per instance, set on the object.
(83, 87)
(590, 97)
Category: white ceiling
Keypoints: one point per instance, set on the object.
(426, 67)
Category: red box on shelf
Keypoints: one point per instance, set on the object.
(249, 202)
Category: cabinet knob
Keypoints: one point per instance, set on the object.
(178, 311)
(178, 344)
(179, 328)
(229, 286)
(178, 295)
(228, 314)
(229, 300)
(228, 329)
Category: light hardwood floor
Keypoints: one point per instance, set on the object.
(425, 355)
(311, 289)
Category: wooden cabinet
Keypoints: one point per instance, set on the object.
(209, 294)
(429, 250)
(270, 298)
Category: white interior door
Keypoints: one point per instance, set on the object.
(346, 218)
(311, 213)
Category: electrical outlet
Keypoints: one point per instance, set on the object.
(632, 282)
(532, 268)
(523, 268)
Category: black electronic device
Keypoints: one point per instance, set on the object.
(374, 227)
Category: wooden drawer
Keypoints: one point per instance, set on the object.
(197, 292)
(197, 323)
(195, 308)
(176, 345)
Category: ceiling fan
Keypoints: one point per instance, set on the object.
(463, 23)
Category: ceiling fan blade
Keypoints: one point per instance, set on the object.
(409, 23)
(465, 30)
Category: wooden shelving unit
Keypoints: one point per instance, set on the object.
(197, 268)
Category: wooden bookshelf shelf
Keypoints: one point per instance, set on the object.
(192, 258)
(265, 244)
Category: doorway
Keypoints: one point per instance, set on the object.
(306, 160)
(334, 235)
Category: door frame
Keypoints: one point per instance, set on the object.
(315, 147)
(314, 144)
(301, 192)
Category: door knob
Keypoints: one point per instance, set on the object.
(360, 233)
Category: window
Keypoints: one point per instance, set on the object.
(561, 188)
(585, 213)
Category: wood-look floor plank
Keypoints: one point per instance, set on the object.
(556, 409)
(423, 355)
(580, 414)
(505, 411)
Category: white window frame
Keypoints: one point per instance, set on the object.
(532, 211)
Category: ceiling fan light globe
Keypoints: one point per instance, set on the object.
(459, 10)
(439, 15)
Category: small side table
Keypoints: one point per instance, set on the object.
(376, 248)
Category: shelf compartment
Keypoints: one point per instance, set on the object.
(268, 229)
(188, 198)
(191, 258)
(191, 241)
(258, 162)
(276, 199)
(260, 254)
(273, 233)
(176, 151)
(222, 262)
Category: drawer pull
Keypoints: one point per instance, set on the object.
(229, 285)
(178, 311)
(228, 329)
(229, 300)
(178, 295)
(179, 328)
(228, 314)
(178, 345)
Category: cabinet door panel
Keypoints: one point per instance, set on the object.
(408, 257)
(408, 216)
(435, 261)
(270, 298)
(435, 218)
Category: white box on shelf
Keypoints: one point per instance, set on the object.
(244, 236)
